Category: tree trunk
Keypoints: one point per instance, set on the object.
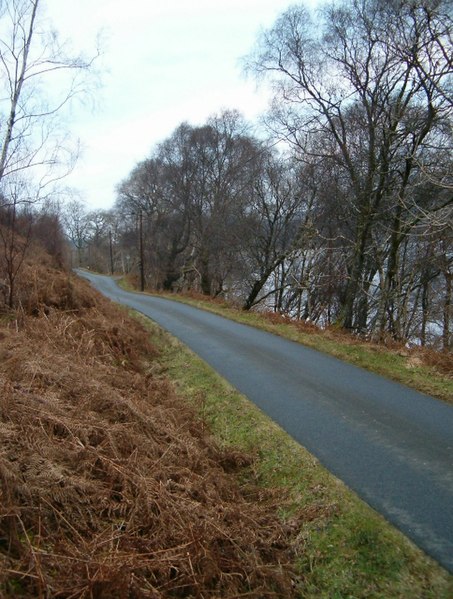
(112, 267)
(259, 284)
(347, 311)
(425, 304)
(141, 251)
(17, 90)
(446, 333)
(387, 311)
(205, 275)
(356, 270)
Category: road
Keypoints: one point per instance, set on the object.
(393, 446)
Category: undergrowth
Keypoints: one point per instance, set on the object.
(343, 549)
(128, 469)
(110, 484)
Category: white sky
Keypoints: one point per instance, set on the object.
(164, 62)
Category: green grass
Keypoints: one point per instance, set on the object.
(394, 364)
(344, 548)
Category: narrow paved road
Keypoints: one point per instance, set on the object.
(390, 444)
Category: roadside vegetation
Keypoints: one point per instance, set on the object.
(342, 547)
(129, 469)
(110, 484)
(424, 369)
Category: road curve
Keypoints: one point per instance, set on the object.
(390, 444)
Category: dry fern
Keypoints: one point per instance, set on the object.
(110, 486)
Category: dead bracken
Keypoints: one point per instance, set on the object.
(110, 485)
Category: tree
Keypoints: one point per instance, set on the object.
(192, 192)
(76, 222)
(35, 150)
(15, 237)
(276, 223)
(147, 200)
(368, 88)
(225, 162)
(33, 59)
(47, 229)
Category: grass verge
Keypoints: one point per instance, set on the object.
(345, 549)
(424, 370)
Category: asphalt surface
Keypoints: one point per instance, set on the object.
(390, 444)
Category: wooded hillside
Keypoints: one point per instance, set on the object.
(342, 215)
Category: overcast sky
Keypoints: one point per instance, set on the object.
(164, 62)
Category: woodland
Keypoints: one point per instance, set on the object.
(336, 209)
(340, 214)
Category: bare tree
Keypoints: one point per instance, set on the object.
(277, 223)
(226, 160)
(15, 237)
(33, 59)
(38, 79)
(76, 222)
(370, 83)
(192, 193)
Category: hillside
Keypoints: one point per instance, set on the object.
(110, 484)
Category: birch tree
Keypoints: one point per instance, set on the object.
(371, 81)
(38, 80)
